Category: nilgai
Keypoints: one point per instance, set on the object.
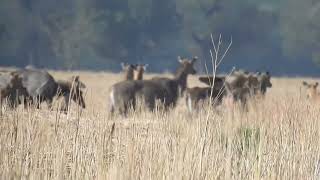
(196, 95)
(128, 70)
(140, 69)
(124, 94)
(312, 92)
(40, 86)
(10, 87)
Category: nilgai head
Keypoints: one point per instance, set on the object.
(140, 69)
(10, 84)
(186, 68)
(187, 65)
(128, 70)
(74, 90)
(311, 89)
(264, 80)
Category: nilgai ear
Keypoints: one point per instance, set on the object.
(123, 65)
(316, 84)
(180, 60)
(304, 83)
(145, 66)
(194, 59)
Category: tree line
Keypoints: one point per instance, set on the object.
(280, 35)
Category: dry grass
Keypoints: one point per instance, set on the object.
(278, 138)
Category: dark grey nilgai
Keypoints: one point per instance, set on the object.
(40, 86)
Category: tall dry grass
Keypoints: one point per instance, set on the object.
(277, 138)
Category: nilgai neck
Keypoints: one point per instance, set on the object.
(140, 69)
(128, 71)
(183, 71)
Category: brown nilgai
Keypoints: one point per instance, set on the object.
(242, 85)
(197, 95)
(139, 71)
(165, 90)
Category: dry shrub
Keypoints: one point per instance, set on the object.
(275, 138)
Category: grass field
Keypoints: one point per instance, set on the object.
(277, 138)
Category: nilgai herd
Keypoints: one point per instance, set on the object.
(31, 87)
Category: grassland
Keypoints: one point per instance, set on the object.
(277, 138)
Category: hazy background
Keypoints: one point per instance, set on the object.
(282, 36)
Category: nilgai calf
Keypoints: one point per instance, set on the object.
(40, 86)
(312, 91)
(196, 95)
(124, 94)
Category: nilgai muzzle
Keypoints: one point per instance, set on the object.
(40, 86)
(124, 94)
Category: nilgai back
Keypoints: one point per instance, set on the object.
(215, 91)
